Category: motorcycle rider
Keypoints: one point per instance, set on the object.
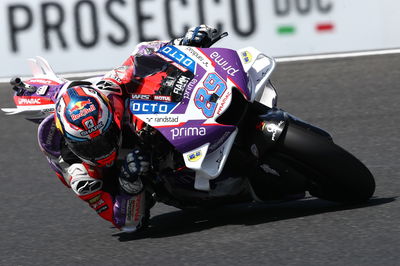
(82, 140)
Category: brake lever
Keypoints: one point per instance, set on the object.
(216, 39)
(19, 86)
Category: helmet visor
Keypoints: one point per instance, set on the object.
(98, 147)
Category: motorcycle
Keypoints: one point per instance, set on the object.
(214, 131)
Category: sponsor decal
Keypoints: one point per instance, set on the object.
(42, 90)
(214, 86)
(189, 88)
(97, 204)
(223, 102)
(166, 119)
(224, 64)
(43, 81)
(180, 84)
(137, 203)
(199, 56)
(95, 199)
(28, 100)
(150, 107)
(273, 129)
(194, 157)
(149, 97)
(81, 107)
(130, 209)
(50, 135)
(141, 96)
(31, 101)
(179, 57)
(163, 98)
(92, 128)
(188, 132)
(246, 57)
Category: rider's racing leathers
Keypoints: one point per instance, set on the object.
(124, 203)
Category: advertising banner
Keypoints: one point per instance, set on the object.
(89, 35)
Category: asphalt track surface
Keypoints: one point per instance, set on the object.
(355, 99)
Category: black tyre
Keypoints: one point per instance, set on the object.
(334, 173)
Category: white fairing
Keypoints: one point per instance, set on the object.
(210, 166)
(259, 67)
(41, 70)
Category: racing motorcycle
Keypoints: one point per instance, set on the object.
(215, 132)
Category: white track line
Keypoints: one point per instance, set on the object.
(84, 75)
(336, 55)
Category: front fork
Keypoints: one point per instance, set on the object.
(271, 127)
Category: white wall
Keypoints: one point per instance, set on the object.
(86, 35)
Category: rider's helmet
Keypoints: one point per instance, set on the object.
(87, 121)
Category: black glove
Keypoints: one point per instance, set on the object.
(135, 166)
(200, 36)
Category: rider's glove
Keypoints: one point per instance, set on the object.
(200, 36)
(135, 166)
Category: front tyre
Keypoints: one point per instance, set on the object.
(335, 174)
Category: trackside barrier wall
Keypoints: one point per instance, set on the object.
(87, 35)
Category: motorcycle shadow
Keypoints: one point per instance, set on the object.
(195, 220)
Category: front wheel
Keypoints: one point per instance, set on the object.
(334, 173)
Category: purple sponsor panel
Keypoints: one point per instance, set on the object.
(146, 48)
(228, 65)
(49, 137)
(53, 92)
(194, 134)
(43, 90)
(120, 211)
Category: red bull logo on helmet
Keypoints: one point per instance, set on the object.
(80, 107)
